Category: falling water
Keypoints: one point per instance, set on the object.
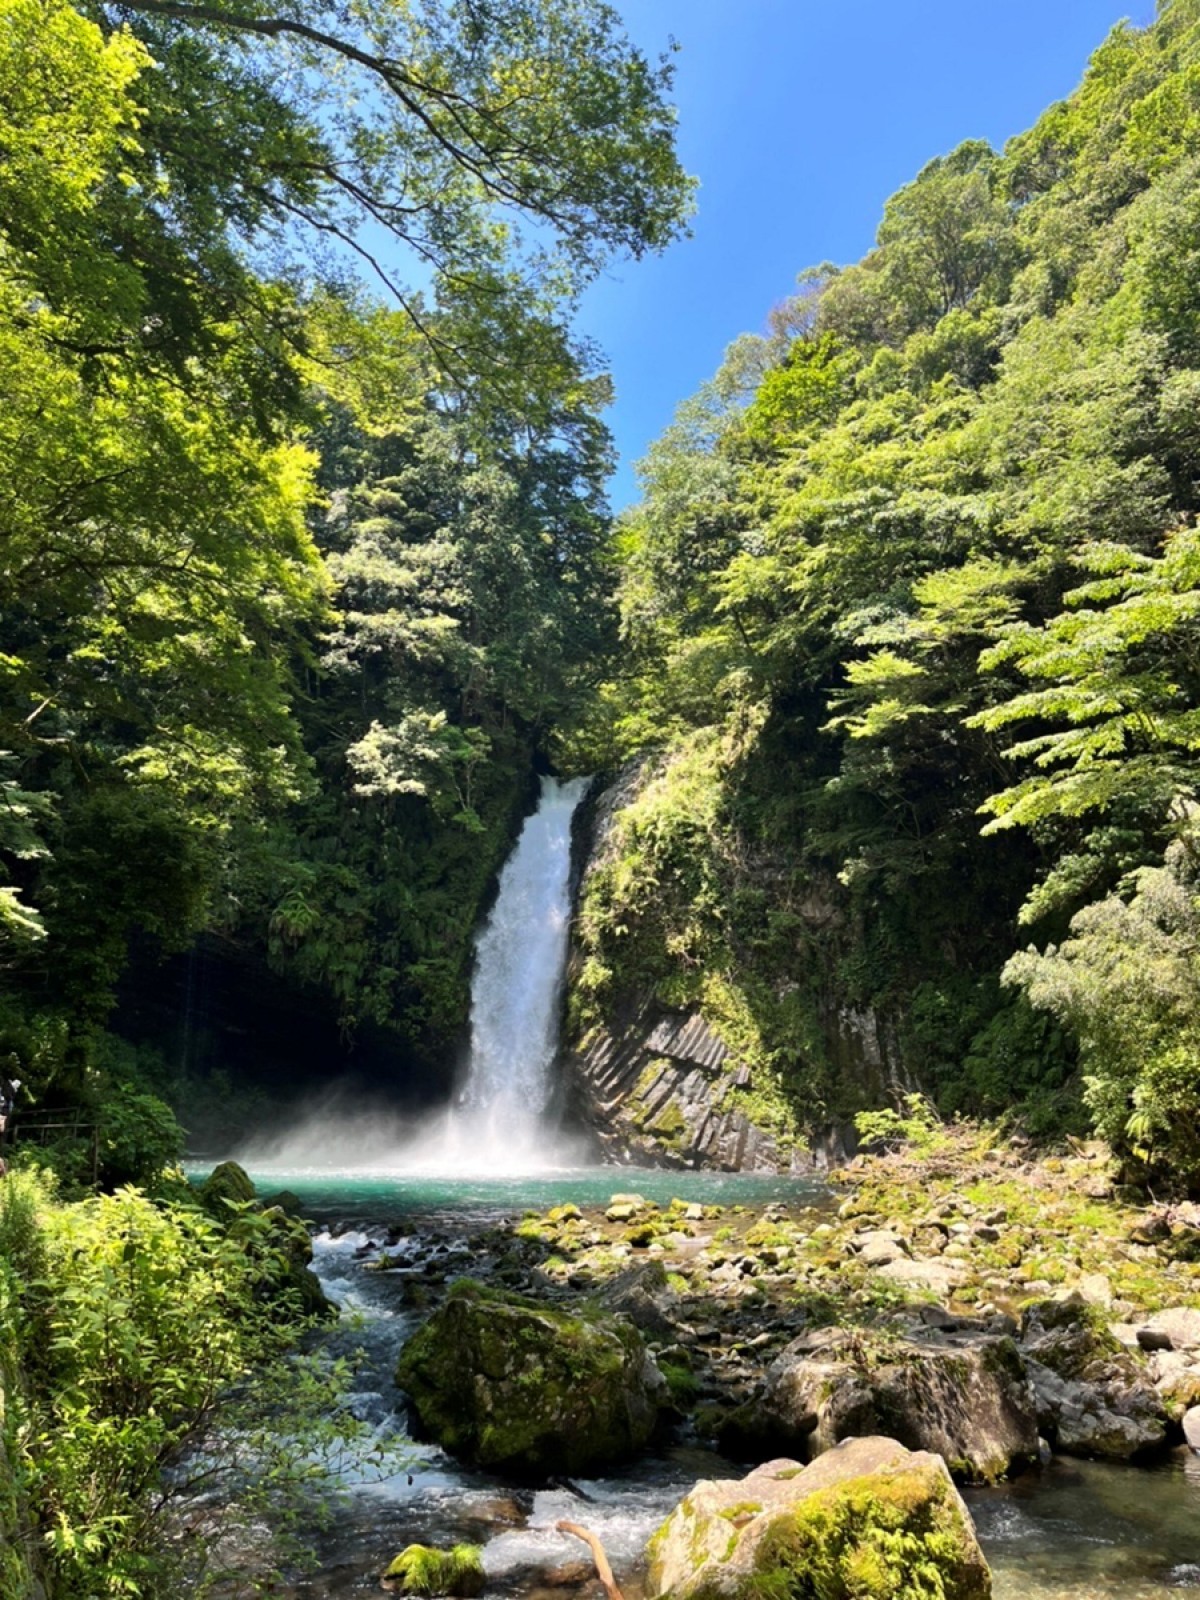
(501, 1124)
(519, 959)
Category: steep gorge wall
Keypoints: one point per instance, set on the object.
(672, 1064)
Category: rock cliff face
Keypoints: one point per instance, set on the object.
(662, 1084)
(653, 1088)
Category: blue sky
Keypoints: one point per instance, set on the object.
(800, 119)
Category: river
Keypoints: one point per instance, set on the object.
(1074, 1530)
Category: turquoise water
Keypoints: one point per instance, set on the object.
(380, 1198)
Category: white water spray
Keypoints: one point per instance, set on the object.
(500, 1125)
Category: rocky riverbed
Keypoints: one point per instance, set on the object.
(1011, 1311)
(974, 1299)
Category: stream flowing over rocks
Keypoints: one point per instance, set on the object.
(764, 1319)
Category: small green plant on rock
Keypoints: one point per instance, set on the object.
(918, 1126)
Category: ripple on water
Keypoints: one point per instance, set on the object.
(1093, 1531)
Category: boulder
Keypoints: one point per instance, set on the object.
(1191, 1428)
(643, 1296)
(287, 1264)
(1177, 1328)
(869, 1519)
(879, 1247)
(964, 1397)
(511, 1386)
(227, 1186)
(938, 1276)
(1094, 1398)
(272, 1234)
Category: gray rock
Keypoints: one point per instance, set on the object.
(878, 1247)
(1178, 1325)
(779, 1531)
(1094, 1398)
(941, 1277)
(965, 1397)
(1191, 1428)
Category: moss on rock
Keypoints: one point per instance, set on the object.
(868, 1521)
(513, 1387)
(227, 1186)
(423, 1569)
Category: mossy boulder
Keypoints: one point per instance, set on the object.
(869, 1520)
(423, 1569)
(289, 1252)
(227, 1187)
(511, 1386)
(273, 1232)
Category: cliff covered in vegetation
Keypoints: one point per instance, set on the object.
(909, 617)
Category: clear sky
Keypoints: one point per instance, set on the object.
(800, 118)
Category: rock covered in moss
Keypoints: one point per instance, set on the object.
(965, 1398)
(869, 1519)
(423, 1569)
(274, 1233)
(227, 1186)
(514, 1387)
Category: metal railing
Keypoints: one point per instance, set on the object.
(47, 1126)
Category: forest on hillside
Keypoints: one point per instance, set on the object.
(306, 573)
(302, 568)
(891, 687)
(909, 612)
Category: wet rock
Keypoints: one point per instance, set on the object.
(869, 1518)
(1191, 1428)
(514, 1387)
(966, 1398)
(1093, 1396)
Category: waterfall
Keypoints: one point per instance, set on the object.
(500, 1125)
(520, 955)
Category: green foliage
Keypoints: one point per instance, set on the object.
(131, 1321)
(918, 1125)
(1125, 982)
(287, 572)
(139, 1138)
(922, 566)
(424, 1570)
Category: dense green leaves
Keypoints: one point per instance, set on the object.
(934, 569)
(284, 572)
